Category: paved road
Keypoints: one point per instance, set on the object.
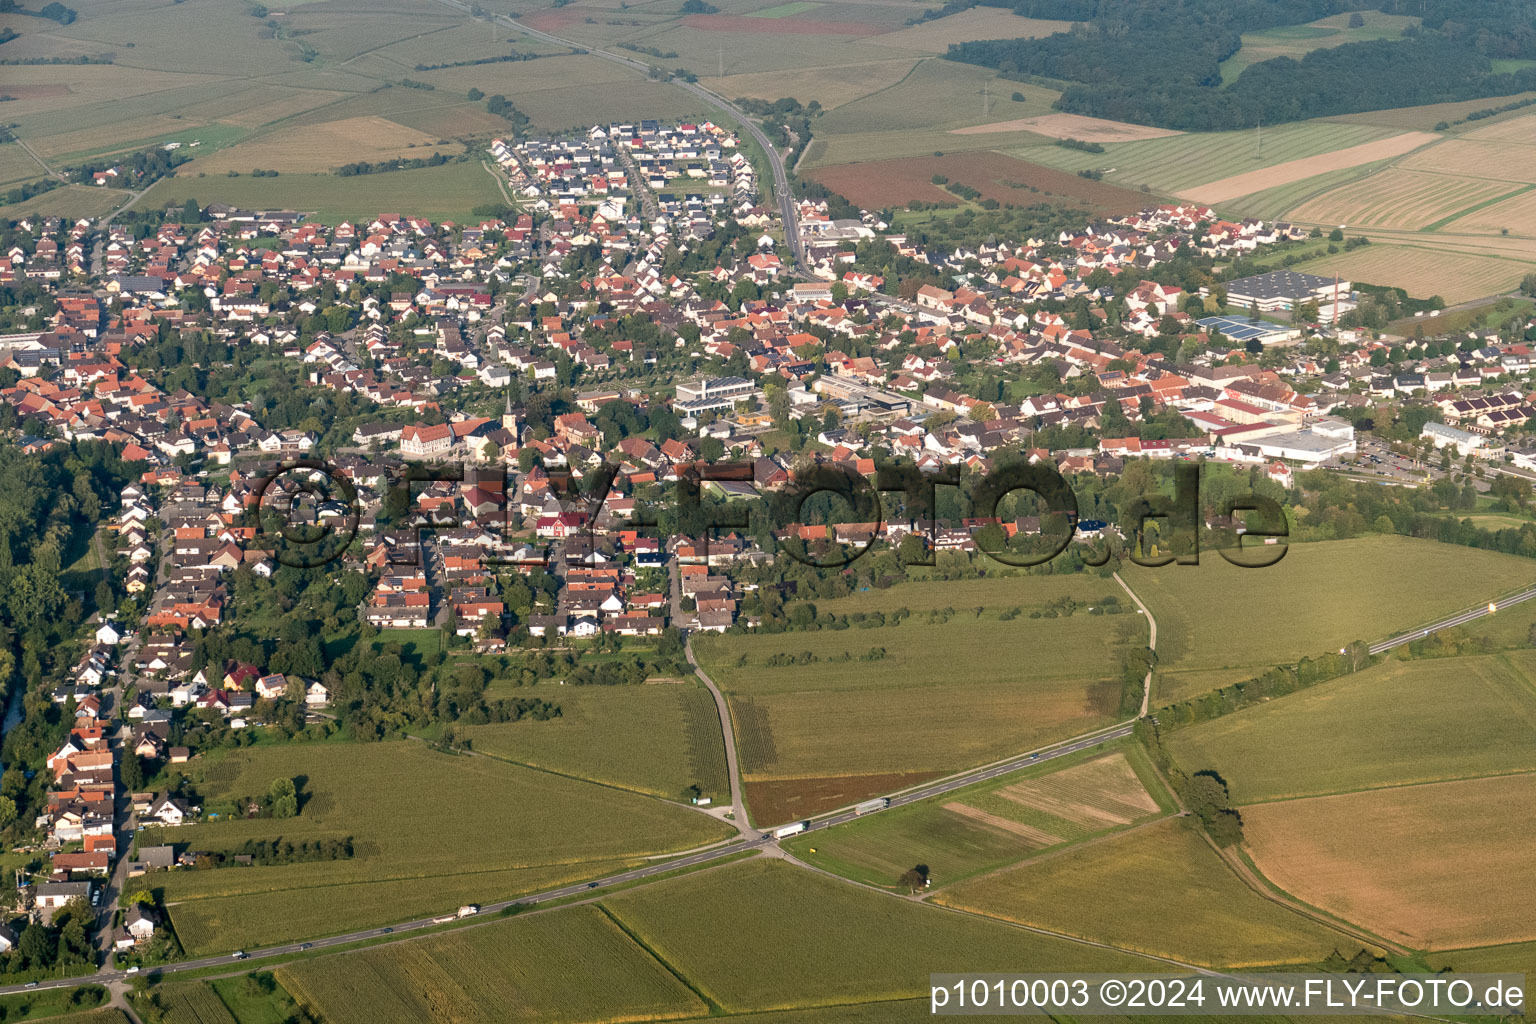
(782, 195)
(1459, 619)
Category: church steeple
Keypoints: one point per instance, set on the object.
(508, 417)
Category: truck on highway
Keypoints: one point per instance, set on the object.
(469, 910)
(791, 830)
(877, 804)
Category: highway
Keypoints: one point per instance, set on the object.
(783, 197)
(1459, 619)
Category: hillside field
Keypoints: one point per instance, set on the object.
(1396, 723)
(1159, 889)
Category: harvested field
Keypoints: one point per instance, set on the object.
(774, 801)
(1521, 129)
(778, 26)
(977, 23)
(883, 183)
(1158, 889)
(1033, 838)
(1296, 170)
(1071, 126)
(1395, 198)
(1424, 118)
(1444, 865)
(1098, 794)
(1503, 161)
(1454, 276)
(1193, 159)
(1517, 213)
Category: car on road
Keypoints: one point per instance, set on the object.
(387, 931)
(31, 984)
(240, 954)
(766, 835)
(591, 885)
(132, 970)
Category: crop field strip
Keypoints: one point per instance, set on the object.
(1455, 275)
(1185, 161)
(1389, 725)
(990, 826)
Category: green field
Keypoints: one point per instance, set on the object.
(764, 935)
(1394, 724)
(50, 1003)
(574, 965)
(657, 739)
(879, 848)
(1183, 161)
(438, 193)
(1025, 680)
(1218, 624)
(431, 831)
(1159, 889)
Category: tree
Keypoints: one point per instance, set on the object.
(35, 947)
(1356, 20)
(283, 799)
(915, 878)
(131, 771)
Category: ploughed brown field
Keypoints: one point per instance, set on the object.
(777, 801)
(877, 184)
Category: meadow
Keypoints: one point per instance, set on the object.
(760, 935)
(1436, 866)
(1396, 723)
(574, 965)
(657, 739)
(1296, 41)
(1219, 624)
(937, 35)
(985, 827)
(1159, 889)
(475, 829)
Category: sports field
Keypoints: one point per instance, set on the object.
(574, 965)
(765, 935)
(1395, 723)
(476, 828)
(989, 826)
(1438, 866)
(1159, 889)
(657, 739)
(1219, 624)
